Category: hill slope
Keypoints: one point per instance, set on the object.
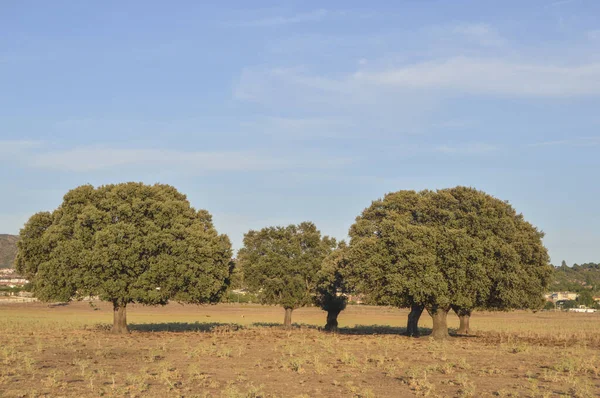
(8, 250)
(577, 278)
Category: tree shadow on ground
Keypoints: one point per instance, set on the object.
(58, 304)
(358, 330)
(185, 327)
(363, 330)
(462, 336)
(280, 325)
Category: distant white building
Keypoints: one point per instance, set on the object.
(559, 296)
(11, 279)
(6, 271)
(582, 308)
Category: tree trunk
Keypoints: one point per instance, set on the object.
(332, 323)
(464, 324)
(440, 322)
(287, 321)
(412, 326)
(120, 318)
(464, 315)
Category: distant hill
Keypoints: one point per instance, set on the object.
(577, 278)
(8, 250)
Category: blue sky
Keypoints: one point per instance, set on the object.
(270, 113)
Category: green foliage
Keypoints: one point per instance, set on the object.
(8, 289)
(125, 243)
(330, 286)
(237, 276)
(568, 304)
(280, 264)
(585, 298)
(549, 305)
(578, 278)
(8, 250)
(454, 246)
(231, 297)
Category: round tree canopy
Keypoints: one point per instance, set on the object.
(456, 246)
(281, 263)
(126, 243)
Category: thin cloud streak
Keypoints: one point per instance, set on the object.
(295, 129)
(560, 3)
(572, 142)
(313, 16)
(492, 77)
(480, 33)
(11, 148)
(467, 149)
(101, 158)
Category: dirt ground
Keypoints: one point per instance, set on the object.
(240, 350)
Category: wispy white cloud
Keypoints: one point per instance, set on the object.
(474, 148)
(254, 83)
(458, 75)
(300, 128)
(11, 148)
(292, 86)
(594, 34)
(480, 33)
(296, 85)
(312, 16)
(572, 142)
(493, 77)
(558, 3)
(453, 124)
(87, 159)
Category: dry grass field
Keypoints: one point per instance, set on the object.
(240, 351)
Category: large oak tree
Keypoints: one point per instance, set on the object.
(126, 243)
(331, 287)
(280, 264)
(454, 247)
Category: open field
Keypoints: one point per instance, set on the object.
(236, 351)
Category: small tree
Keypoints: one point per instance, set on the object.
(586, 298)
(568, 304)
(454, 247)
(280, 264)
(549, 306)
(126, 243)
(330, 287)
